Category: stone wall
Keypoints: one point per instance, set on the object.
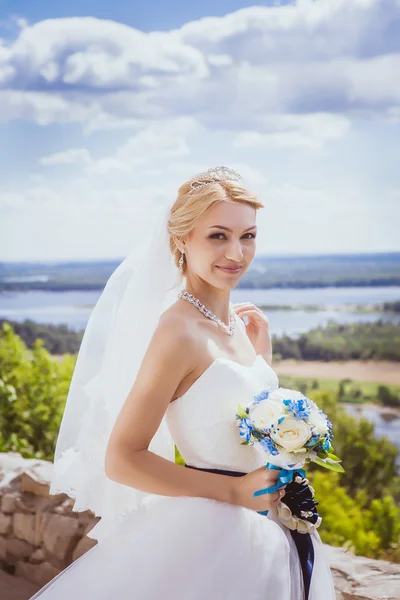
(40, 535)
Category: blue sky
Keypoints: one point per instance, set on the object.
(106, 108)
(147, 16)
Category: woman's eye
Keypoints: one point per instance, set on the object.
(214, 235)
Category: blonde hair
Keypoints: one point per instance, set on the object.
(191, 204)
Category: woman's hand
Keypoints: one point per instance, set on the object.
(257, 328)
(259, 479)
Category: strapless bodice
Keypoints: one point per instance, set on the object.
(202, 421)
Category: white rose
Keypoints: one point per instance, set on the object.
(291, 434)
(267, 413)
(318, 421)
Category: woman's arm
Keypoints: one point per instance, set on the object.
(170, 356)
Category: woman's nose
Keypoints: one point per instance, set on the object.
(234, 251)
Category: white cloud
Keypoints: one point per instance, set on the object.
(74, 156)
(314, 219)
(244, 90)
(98, 53)
(155, 144)
(337, 56)
(44, 108)
(85, 221)
(11, 200)
(159, 141)
(37, 198)
(294, 131)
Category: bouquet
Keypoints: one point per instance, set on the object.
(290, 430)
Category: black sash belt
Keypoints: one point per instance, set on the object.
(303, 541)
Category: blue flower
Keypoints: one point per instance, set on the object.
(326, 444)
(245, 429)
(263, 395)
(267, 444)
(299, 408)
(312, 441)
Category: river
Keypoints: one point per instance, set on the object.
(73, 308)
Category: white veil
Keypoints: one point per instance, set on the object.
(113, 346)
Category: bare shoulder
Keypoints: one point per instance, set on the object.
(173, 315)
(178, 327)
(174, 345)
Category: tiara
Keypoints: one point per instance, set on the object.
(214, 175)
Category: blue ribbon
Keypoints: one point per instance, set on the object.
(285, 476)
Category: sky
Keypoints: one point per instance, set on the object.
(106, 108)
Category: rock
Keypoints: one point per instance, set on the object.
(24, 527)
(65, 506)
(15, 588)
(16, 549)
(9, 502)
(27, 503)
(3, 548)
(42, 518)
(91, 524)
(32, 481)
(83, 546)
(60, 536)
(40, 533)
(360, 578)
(5, 523)
(37, 557)
(38, 574)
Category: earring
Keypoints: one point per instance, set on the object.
(181, 262)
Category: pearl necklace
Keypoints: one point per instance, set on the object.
(207, 313)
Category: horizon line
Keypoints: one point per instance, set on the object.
(257, 256)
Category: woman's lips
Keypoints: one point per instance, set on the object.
(230, 270)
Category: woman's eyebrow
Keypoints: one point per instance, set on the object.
(227, 228)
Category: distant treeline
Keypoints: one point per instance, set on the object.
(265, 272)
(248, 283)
(391, 306)
(58, 339)
(356, 341)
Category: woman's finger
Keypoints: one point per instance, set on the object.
(250, 311)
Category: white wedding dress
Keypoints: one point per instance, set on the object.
(190, 548)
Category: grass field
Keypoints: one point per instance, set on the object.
(374, 372)
(354, 376)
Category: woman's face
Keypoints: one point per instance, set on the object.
(221, 246)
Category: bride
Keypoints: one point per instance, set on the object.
(165, 360)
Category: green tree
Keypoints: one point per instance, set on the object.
(33, 391)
